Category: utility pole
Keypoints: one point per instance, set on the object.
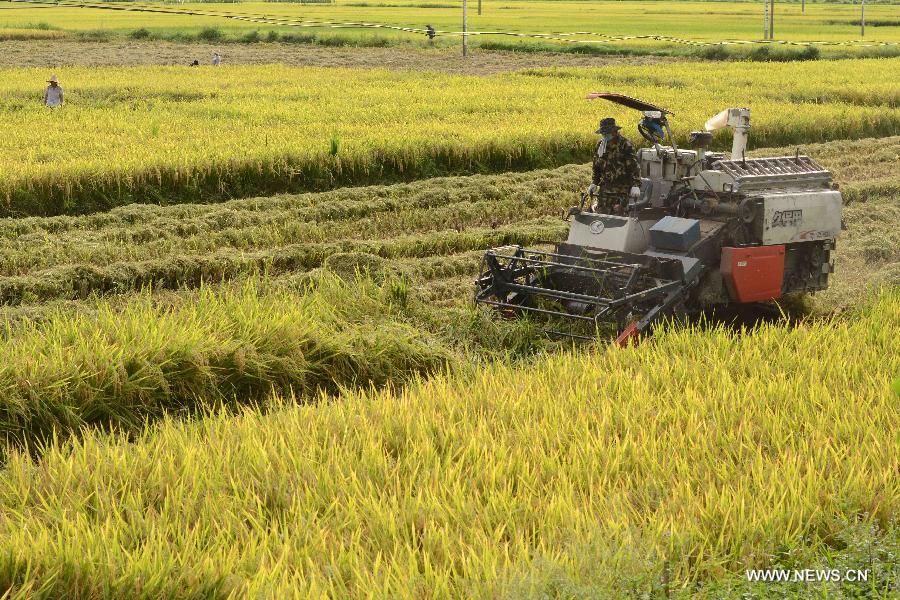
(862, 19)
(803, 6)
(765, 19)
(772, 20)
(465, 28)
(479, 8)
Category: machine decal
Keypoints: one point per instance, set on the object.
(597, 227)
(787, 218)
(804, 236)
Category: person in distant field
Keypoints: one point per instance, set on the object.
(617, 174)
(53, 96)
(196, 63)
(216, 60)
(430, 32)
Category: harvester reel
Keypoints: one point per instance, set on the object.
(571, 285)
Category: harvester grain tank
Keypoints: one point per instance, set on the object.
(708, 229)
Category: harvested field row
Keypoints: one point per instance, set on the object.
(180, 246)
(140, 233)
(419, 271)
(67, 52)
(80, 281)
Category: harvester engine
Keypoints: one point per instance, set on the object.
(708, 229)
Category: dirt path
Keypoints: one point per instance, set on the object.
(56, 53)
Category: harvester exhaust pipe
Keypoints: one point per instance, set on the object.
(739, 120)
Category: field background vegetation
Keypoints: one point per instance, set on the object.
(704, 21)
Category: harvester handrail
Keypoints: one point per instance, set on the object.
(550, 263)
(584, 256)
(612, 265)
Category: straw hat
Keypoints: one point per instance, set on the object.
(53, 79)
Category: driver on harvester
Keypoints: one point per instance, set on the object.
(617, 175)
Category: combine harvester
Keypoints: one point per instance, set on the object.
(707, 231)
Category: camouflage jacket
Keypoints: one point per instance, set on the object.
(618, 167)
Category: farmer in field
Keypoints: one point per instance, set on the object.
(216, 59)
(617, 175)
(53, 96)
(430, 32)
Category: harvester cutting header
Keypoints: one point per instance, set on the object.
(688, 229)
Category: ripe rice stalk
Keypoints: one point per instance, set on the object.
(121, 367)
(664, 469)
(450, 124)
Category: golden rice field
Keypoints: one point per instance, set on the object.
(176, 134)
(665, 469)
(658, 471)
(225, 374)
